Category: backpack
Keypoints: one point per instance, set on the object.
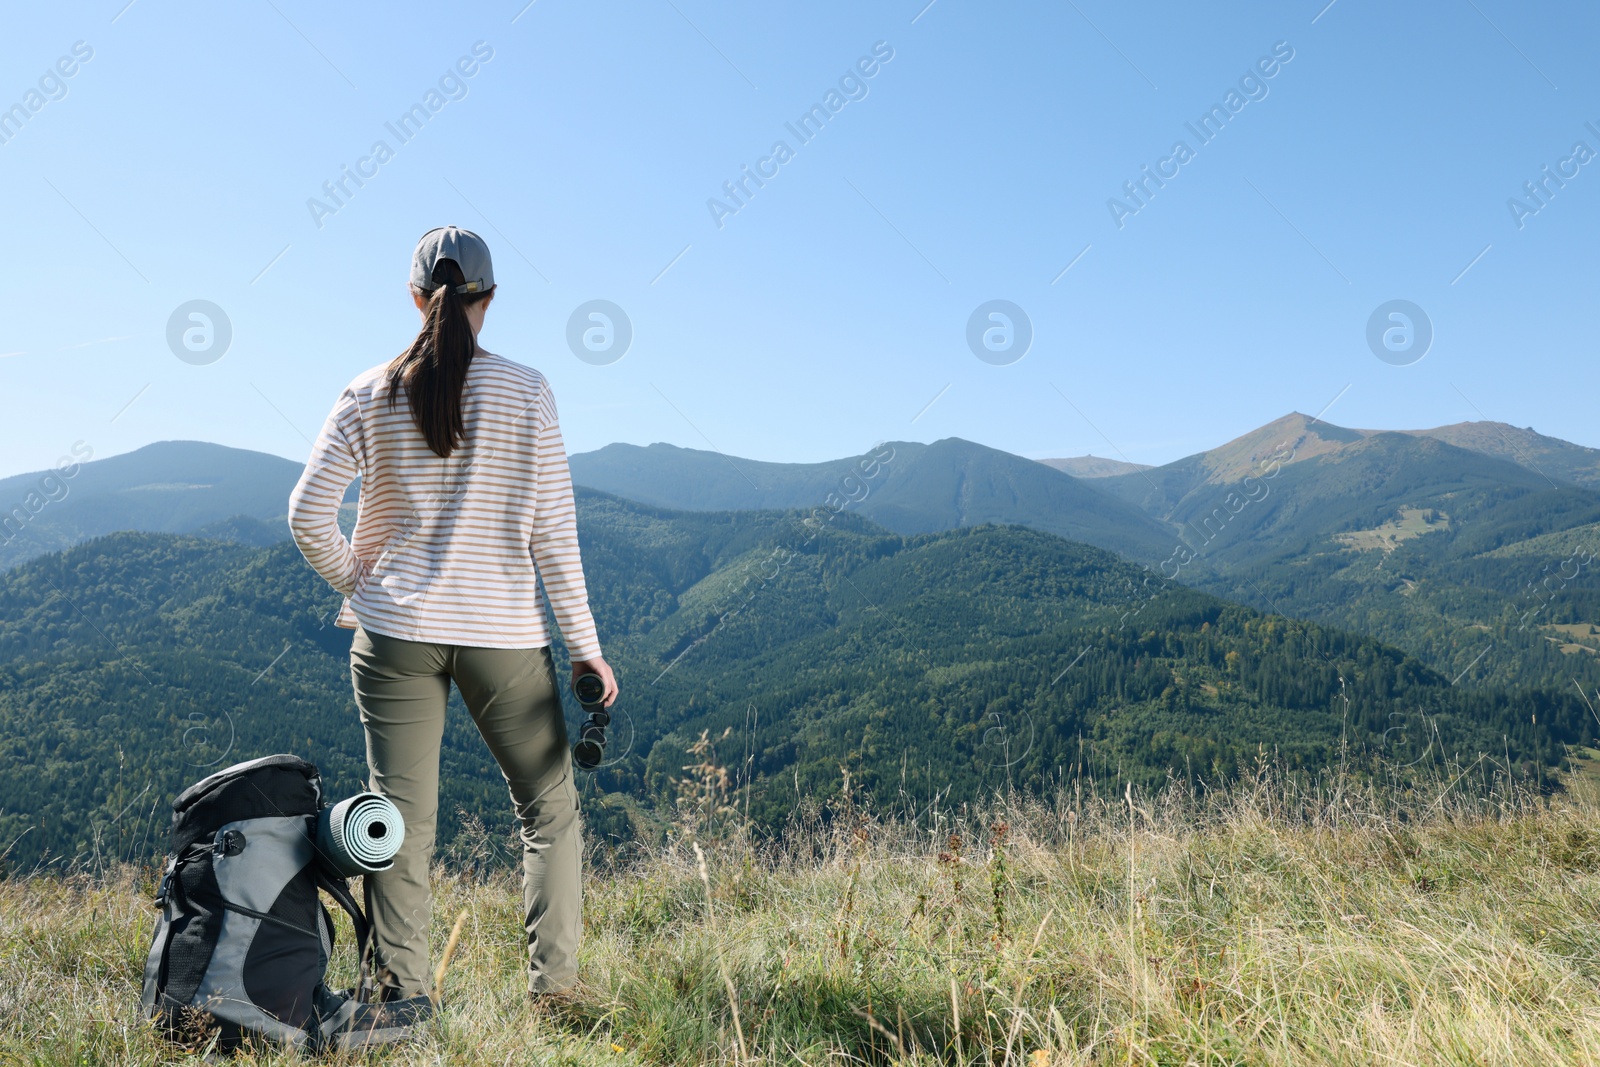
(242, 944)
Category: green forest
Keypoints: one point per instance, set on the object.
(806, 646)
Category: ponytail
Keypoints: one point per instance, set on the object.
(434, 369)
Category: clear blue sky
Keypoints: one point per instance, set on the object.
(176, 164)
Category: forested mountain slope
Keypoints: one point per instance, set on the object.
(951, 663)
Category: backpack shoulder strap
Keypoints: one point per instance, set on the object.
(339, 890)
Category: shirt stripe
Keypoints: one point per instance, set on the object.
(455, 547)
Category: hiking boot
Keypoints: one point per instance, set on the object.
(383, 1023)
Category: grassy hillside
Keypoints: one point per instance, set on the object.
(946, 665)
(1267, 926)
(1356, 488)
(1307, 438)
(1562, 461)
(1499, 563)
(1462, 559)
(1351, 471)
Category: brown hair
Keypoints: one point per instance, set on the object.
(434, 369)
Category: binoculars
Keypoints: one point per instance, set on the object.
(590, 751)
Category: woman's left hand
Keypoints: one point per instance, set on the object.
(599, 666)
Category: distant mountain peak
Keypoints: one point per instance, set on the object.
(1551, 457)
(1288, 439)
(1093, 466)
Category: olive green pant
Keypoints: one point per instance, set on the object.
(402, 688)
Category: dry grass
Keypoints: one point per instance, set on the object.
(1268, 925)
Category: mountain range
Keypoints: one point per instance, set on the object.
(912, 488)
(185, 486)
(940, 665)
(1432, 540)
(168, 487)
(1305, 587)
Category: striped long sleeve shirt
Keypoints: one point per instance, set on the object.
(449, 551)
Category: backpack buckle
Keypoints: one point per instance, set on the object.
(229, 843)
(166, 880)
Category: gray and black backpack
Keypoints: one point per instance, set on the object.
(242, 944)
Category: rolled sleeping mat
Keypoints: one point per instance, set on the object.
(360, 835)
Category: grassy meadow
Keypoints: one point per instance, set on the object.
(1267, 924)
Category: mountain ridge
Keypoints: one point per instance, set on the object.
(1092, 466)
(908, 487)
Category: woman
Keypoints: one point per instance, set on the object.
(466, 503)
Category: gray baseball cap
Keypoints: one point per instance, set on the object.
(463, 246)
